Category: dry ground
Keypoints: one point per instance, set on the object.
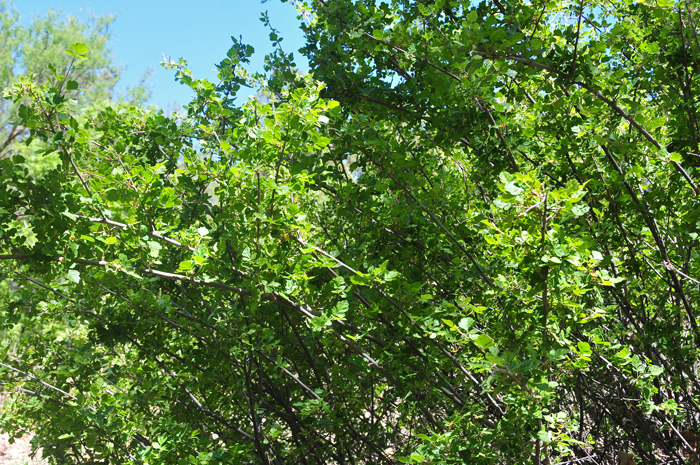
(19, 452)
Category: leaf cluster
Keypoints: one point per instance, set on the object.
(469, 235)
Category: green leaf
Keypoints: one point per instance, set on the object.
(513, 188)
(655, 370)
(154, 248)
(186, 265)
(580, 210)
(73, 276)
(466, 324)
(483, 342)
(79, 48)
(584, 349)
(495, 360)
(544, 436)
(341, 309)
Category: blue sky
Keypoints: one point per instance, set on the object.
(200, 32)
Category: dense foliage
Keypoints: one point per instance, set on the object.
(469, 235)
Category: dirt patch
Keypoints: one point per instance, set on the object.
(18, 453)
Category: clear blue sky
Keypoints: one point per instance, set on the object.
(200, 32)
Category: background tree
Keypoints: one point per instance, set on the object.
(467, 236)
(28, 49)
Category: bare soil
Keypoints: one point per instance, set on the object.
(18, 453)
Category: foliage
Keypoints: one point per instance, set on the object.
(469, 235)
(28, 49)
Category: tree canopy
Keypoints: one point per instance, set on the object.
(468, 235)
